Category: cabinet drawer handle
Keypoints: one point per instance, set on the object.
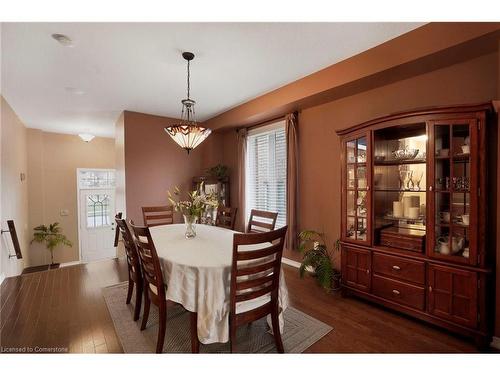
(397, 268)
(367, 271)
(397, 292)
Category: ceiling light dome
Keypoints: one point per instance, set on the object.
(86, 137)
(188, 133)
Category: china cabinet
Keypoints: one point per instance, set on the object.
(414, 215)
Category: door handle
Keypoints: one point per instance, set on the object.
(397, 268)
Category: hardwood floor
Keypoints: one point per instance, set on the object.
(60, 310)
(63, 310)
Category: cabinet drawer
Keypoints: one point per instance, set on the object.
(397, 291)
(399, 268)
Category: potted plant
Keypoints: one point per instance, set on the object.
(317, 257)
(52, 237)
(219, 171)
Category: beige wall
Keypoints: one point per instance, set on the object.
(120, 163)
(120, 197)
(13, 191)
(52, 163)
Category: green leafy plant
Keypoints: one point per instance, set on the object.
(51, 236)
(219, 171)
(316, 256)
(196, 203)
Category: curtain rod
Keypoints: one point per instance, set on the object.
(266, 122)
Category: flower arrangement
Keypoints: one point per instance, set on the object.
(196, 203)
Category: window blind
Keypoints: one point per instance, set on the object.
(266, 171)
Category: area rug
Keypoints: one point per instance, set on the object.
(300, 330)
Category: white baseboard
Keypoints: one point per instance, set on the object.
(2, 278)
(495, 343)
(290, 262)
(71, 263)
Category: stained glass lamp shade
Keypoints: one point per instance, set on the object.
(187, 133)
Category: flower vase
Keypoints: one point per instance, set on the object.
(190, 221)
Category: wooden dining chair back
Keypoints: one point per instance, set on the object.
(158, 215)
(154, 287)
(226, 217)
(133, 264)
(255, 277)
(261, 221)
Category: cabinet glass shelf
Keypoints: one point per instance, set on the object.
(392, 190)
(399, 162)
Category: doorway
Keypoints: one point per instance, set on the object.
(96, 211)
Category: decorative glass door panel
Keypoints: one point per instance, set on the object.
(454, 191)
(399, 187)
(356, 183)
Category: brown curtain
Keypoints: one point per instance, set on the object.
(292, 174)
(242, 152)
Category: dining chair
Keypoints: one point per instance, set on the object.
(255, 277)
(117, 231)
(158, 215)
(134, 268)
(154, 287)
(261, 221)
(226, 217)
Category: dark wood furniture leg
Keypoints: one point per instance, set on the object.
(162, 318)
(130, 290)
(276, 329)
(232, 337)
(195, 343)
(138, 301)
(147, 305)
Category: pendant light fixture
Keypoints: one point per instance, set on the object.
(188, 133)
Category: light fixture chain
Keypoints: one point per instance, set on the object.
(188, 79)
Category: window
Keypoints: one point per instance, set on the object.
(96, 179)
(266, 170)
(98, 211)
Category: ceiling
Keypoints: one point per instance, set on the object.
(138, 66)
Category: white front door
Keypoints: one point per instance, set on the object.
(97, 224)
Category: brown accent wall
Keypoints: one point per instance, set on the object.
(52, 163)
(154, 163)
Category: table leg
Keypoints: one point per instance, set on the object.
(195, 343)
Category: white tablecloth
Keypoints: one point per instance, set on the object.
(197, 272)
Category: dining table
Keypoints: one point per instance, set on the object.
(197, 273)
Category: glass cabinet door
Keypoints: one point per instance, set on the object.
(453, 191)
(356, 222)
